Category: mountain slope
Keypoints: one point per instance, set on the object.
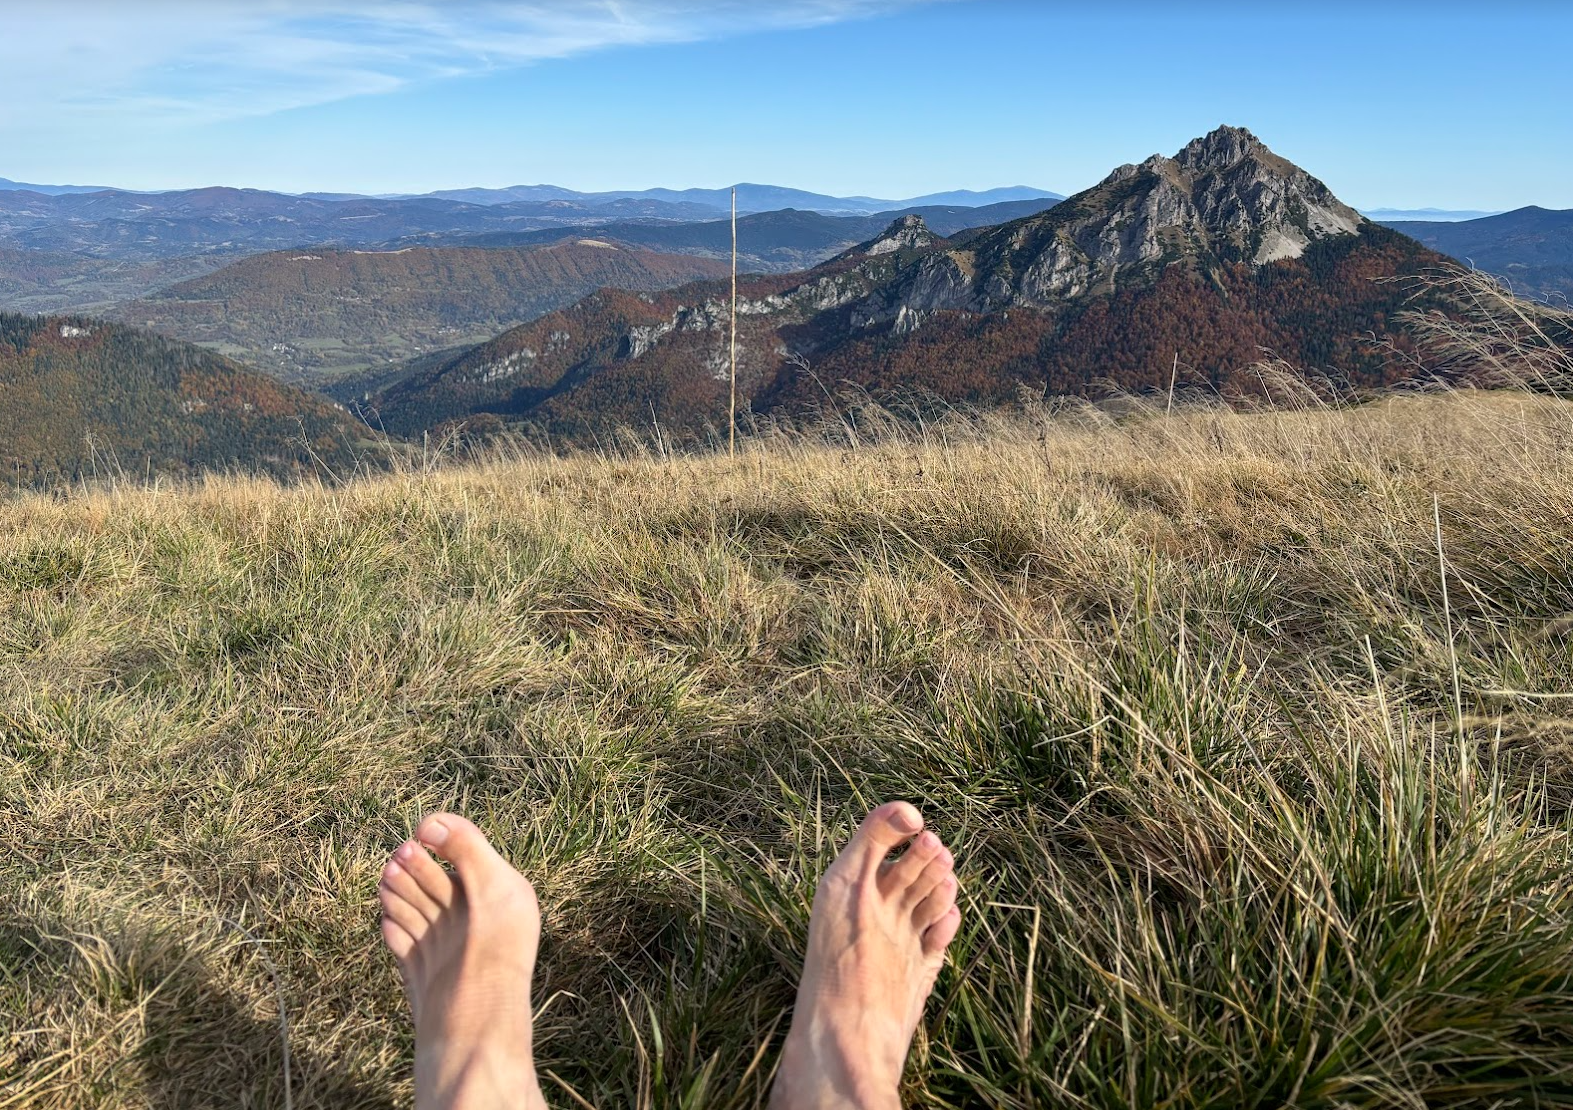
(1531, 248)
(57, 282)
(314, 314)
(80, 397)
(775, 242)
(1208, 257)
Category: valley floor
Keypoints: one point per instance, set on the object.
(1248, 810)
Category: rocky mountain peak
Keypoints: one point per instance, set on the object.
(1223, 199)
(1218, 150)
(1224, 196)
(907, 232)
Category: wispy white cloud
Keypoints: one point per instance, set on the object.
(96, 63)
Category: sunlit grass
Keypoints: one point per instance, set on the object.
(1179, 691)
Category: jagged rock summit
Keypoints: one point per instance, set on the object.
(904, 233)
(1240, 192)
(1225, 197)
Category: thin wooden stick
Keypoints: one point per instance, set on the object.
(731, 424)
(1465, 762)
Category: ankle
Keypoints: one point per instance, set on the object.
(824, 1070)
(483, 1078)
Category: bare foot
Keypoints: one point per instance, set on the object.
(466, 948)
(876, 940)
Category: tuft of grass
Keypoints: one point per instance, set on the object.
(1180, 691)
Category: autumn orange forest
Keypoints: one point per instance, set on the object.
(494, 615)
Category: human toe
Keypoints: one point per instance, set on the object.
(884, 830)
(427, 875)
(397, 938)
(458, 841)
(899, 874)
(940, 900)
(927, 881)
(937, 937)
(407, 916)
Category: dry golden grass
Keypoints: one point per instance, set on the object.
(1181, 692)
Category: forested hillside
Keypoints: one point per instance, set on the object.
(312, 314)
(81, 398)
(1532, 248)
(1329, 312)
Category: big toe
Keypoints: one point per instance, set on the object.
(458, 841)
(884, 830)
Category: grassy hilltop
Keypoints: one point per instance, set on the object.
(1256, 800)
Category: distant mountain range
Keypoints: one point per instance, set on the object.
(6, 184)
(146, 226)
(311, 314)
(750, 198)
(71, 248)
(1437, 215)
(81, 397)
(772, 242)
(1210, 257)
(125, 225)
(1530, 248)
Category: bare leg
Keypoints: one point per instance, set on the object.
(466, 947)
(876, 940)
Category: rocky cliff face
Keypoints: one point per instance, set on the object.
(907, 233)
(1225, 197)
(1246, 195)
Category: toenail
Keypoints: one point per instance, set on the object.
(392, 870)
(406, 851)
(435, 833)
(908, 819)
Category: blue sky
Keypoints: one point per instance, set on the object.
(1400, 104)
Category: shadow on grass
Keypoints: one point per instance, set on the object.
(95, 995)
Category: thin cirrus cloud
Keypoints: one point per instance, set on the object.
(99, 63)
